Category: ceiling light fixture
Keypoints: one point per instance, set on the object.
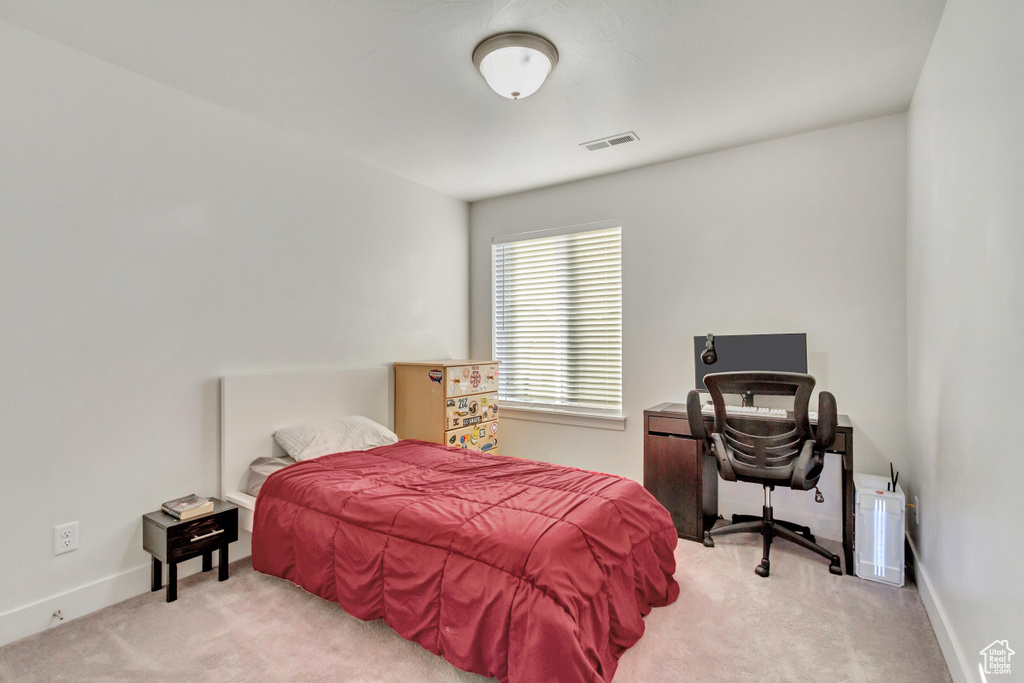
(515, 64)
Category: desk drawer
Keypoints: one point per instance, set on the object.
(668, 425)
(839, 446)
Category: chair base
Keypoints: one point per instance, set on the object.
(769, 528)
(804, 531)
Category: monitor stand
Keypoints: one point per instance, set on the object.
(748, 399)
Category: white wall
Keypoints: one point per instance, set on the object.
(803, 234)
(965, 329)
(149, 243)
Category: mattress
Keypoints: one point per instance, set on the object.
(520, 570)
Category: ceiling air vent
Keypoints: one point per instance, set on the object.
(610, 141)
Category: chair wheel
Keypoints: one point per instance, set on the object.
(834, 568)
(708, 541)
(762, 570)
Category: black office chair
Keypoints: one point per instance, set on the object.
(767, 451)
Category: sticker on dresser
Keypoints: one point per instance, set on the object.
(472, 379)
(477, 437)
(467, 410)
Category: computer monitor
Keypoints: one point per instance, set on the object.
(751, 353)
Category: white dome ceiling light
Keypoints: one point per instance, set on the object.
(515, 64)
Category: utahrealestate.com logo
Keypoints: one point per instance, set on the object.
(996, 657)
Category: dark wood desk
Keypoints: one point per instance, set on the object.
(681, 473)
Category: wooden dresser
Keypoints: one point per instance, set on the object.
(452, 402)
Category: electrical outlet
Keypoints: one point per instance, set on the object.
(65, 538)
(917, 511)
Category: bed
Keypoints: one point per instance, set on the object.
(510, 568)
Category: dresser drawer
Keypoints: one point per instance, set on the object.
(463, 380)
(464, 411)
(479, 437)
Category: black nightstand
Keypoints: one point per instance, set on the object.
(172, 541)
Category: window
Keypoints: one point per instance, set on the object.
(558, 318)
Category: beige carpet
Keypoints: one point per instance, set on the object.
(800, 624)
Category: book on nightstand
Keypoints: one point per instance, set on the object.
(188, 507)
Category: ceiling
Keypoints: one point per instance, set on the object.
(391, 82)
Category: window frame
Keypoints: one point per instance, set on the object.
(614, 419)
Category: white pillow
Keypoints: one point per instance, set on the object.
(313, 439)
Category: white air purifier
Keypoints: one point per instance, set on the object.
(879, 530)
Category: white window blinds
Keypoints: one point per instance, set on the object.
(558, 318)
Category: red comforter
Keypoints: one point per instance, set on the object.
(510, 568)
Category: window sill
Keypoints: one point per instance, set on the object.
(566, 417)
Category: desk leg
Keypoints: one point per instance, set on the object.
(709, 491)
(158, 578)
(222, 559)
(208, 561)
(172, 581)
(848, 505)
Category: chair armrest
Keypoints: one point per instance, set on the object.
(825, 433)
(715, 444)
(695, 417)
(721, 453)
(807, 468)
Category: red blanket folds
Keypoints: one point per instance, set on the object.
(510, 568)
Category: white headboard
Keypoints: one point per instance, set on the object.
(253, 407)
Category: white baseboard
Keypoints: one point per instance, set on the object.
(22, 622)
(35, 617)
(957, 663)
